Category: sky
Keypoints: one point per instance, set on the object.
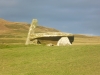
(72, 16)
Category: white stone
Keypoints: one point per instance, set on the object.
(63, 41)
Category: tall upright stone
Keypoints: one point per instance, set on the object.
(31, 30)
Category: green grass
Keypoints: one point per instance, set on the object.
(11, 41)
(43, 60)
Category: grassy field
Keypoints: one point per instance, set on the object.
(44, 60)
(82, 58)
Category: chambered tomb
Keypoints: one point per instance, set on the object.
(48, 38)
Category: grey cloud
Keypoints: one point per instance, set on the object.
(10, 3)
(75, 16)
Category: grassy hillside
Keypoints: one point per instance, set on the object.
(84, 40)
(7, 27)
(43, 60)
(16, 32)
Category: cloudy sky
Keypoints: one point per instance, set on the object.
(73, 16)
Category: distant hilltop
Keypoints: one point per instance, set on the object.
(8, 27)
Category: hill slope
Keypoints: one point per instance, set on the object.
(7, 27)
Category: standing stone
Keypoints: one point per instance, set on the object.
(31, 30)
(63, 41)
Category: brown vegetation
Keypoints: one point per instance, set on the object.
(7, 27)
